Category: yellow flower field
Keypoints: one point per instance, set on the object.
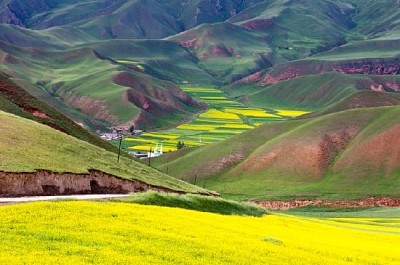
(224, 119)
(161, 135)
(196, 127)
(251, 112)
(120, 233)
(217, 114)
(236, 126)
(291, 113)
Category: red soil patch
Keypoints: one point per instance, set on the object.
(330, 146)
(215, 167)
(302, 157)
(98, 109)
(362, 66)
(256, 77)
(369, 202)
(393, 86)
(40, 114)
(21, 98)
(189, 43)
(221, 51)
(47, 183)
(290, 73)
(380, 151)
(259, 24)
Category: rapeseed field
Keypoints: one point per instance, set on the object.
(120, 233)
(223, 118)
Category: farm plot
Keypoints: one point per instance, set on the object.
(122, 233)
(223, 119)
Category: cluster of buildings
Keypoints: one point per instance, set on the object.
(158, 151)
(117, 132)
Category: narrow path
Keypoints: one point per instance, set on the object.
(55, 198)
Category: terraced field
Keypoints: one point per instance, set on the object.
(223, 119)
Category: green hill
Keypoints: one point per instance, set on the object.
(28, 146)
(120, 19)
(14, 99)
(346, 155)
(109, 91)
(322, 93)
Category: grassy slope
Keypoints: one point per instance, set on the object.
(348, 155)
(296, 27)
(104, 233)
(15, 100)
(329, 92)
(227, 51)
(194, 202)
(27, 146)
(160, 58)
(120, 19)
(93, 85)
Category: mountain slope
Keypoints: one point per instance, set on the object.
(15, 100)
(89, 80)
(350, 154)
(28, 146)
(323, 93)
(120, 19)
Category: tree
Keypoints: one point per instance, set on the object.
(180, 145)
(132, 129)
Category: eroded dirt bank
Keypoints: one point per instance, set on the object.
(47, 183)
(369, 202)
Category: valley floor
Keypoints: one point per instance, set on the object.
(122, 233)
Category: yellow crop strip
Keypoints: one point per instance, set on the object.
(251, 112)
(195, 127)
(236, 126)
(113, 233)
(161, 135)
(291, 113)
(217, 114)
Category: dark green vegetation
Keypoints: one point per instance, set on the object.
(27, 146)
(347, 155)
(193, 202)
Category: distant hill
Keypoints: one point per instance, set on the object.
(121, 62)
(346, 155)
(121, 19)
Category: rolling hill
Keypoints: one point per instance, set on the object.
(109, 91)
(16, 100)
(348, 155)
(322, 93)
(109, 60)
(120, 19)
(117, 63)
(37, 160)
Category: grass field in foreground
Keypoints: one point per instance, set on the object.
(118, 233)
